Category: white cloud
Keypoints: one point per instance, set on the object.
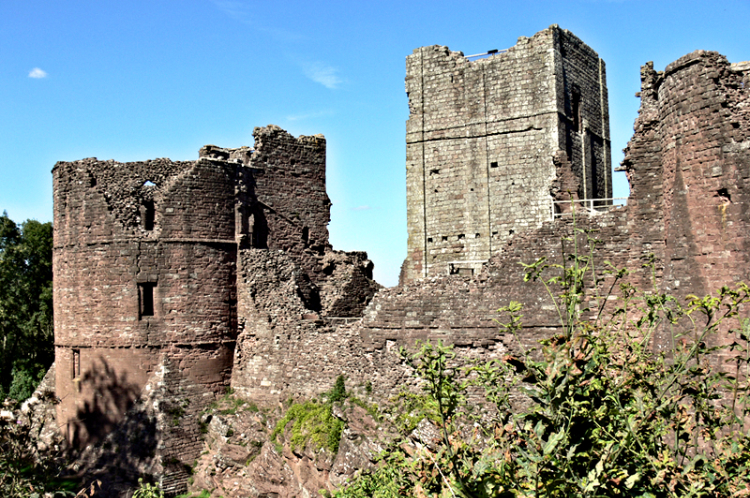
(242, 12)
(37, 73)
(361, 208)
(322, 73)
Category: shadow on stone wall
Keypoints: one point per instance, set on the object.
(118, 436)
(113, 395)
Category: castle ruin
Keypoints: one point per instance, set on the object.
(492, 142)
(146, 261)
(174, 280)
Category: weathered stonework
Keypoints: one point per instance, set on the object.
(688, 165)
(146, 260)
(485, 141)
(174, 280)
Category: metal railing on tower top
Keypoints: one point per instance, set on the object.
(590, 207)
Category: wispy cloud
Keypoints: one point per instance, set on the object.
(309, 115)
(322, 73)
(362, 208)
(242, 12)
(37, 73)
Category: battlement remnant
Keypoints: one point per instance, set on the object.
(485, 140)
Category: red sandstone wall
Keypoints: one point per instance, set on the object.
(108, 346)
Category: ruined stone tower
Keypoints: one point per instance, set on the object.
(146, 262)
(491, 142)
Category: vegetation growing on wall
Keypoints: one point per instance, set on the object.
(26, 329)
(313, 422)
(604, 414)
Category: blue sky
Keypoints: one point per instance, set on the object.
(133, 80)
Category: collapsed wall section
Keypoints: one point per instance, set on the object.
(285, 349)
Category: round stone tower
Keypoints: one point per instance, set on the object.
(144, 295)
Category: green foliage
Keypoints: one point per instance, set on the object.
(147, 490)
(26, 333)
(24, 470)
(338, 392)
(202, 494)
(602, 413)
(311, 423)
(24, 381)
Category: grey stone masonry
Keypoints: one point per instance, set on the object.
(480, 142)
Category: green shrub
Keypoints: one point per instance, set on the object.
(338, 392)
(147, 490)
(312, 423)
(605, 414)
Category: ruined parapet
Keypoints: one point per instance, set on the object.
(349, 286)
(290, 190)
(481, 139)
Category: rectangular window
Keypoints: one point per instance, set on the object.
(149, 215)
(576, 110)
(146, 299)
(76, 364)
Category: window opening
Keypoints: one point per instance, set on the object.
(76, 364)
(493, 164)
(149, 213)
(576, 109)
(146, 299)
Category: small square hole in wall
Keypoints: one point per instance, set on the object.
(429, 239)
(493, 164)
(146, 299)
(445, 238)
(461, 236)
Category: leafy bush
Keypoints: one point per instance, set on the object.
(25, 470)
(338, 392)
(311, 423)
(314, 422)
(147, 490)
(603, 414)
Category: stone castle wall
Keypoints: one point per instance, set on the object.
(688, 164)
(481, 139)
(146, 262)
(174, 280)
